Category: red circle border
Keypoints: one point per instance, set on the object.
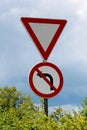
(30, 77)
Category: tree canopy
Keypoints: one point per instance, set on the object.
(83, 108)
(18, 112)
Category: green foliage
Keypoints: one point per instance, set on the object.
(83, 108)
(9, 97)
(73, 122)
(18, 112)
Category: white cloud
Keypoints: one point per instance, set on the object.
(67, 107)
(82, 12)
(18, 53)
(81, 7)
(72, 47)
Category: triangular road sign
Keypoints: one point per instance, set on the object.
(44, 32)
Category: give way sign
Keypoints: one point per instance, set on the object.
(44, 32)
(46, 80)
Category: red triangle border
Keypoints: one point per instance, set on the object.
(61, 23)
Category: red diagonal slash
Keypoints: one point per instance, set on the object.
(49, 83)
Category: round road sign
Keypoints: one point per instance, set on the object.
(46, 80)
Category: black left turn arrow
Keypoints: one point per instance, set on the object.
(49, 76)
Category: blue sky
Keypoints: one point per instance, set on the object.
(18, 53)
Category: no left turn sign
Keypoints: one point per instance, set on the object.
(46, 80)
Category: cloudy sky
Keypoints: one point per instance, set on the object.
(18, 53)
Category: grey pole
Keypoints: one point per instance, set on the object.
(46, 106)
(45, 102)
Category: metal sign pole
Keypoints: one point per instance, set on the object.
(45, 102)
(46, 106)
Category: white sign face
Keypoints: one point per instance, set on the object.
(44, 33)
(46, 79)
(41, 85)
